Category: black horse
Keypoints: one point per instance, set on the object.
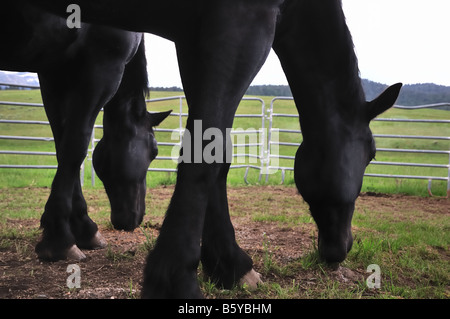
(221, 45)
(81, 71)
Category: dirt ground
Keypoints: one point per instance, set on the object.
(116, 271)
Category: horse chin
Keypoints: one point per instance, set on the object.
(126, 220)
(335, 252)
(335, 235)
(128, 209)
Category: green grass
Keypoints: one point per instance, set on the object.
(409, 242)
(408, 251)
(35, 177)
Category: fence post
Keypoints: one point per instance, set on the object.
(92, 157)
(448, 180)
(265, 154)
(267, 151)
(82, 172)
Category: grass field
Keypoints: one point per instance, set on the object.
(406, 236)
(33, 177)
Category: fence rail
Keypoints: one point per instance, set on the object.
(266, 144)
(273, 115)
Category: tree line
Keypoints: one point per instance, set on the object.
(411, 94)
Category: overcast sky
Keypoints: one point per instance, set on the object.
(395, 40)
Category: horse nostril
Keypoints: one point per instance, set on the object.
(123, 222)
(332, 256)
(334, 266)
(333, 252)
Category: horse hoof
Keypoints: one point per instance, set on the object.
(251, 279)
(98, 242)
(74, 253)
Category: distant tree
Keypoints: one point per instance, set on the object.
(411, 94)
(167, 89)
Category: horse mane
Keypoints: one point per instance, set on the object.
(136, 73)
(141, 66)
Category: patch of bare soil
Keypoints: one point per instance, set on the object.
(116, 271)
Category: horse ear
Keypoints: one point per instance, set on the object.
(384, 101)
(157, 118)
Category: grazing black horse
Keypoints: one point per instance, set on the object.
(221, 45)
(81, 71)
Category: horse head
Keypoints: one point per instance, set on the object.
(329, 172)
(122, 166)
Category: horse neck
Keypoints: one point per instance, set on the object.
(329, 105)
(324, 67)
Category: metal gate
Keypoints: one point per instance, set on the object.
(267, 145)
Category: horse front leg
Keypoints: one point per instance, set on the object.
(58, 240)
(65, 222)
(217, 64)
(82, 226)
(222, 259)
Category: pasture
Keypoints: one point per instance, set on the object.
(396, 224)
(407, 236)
